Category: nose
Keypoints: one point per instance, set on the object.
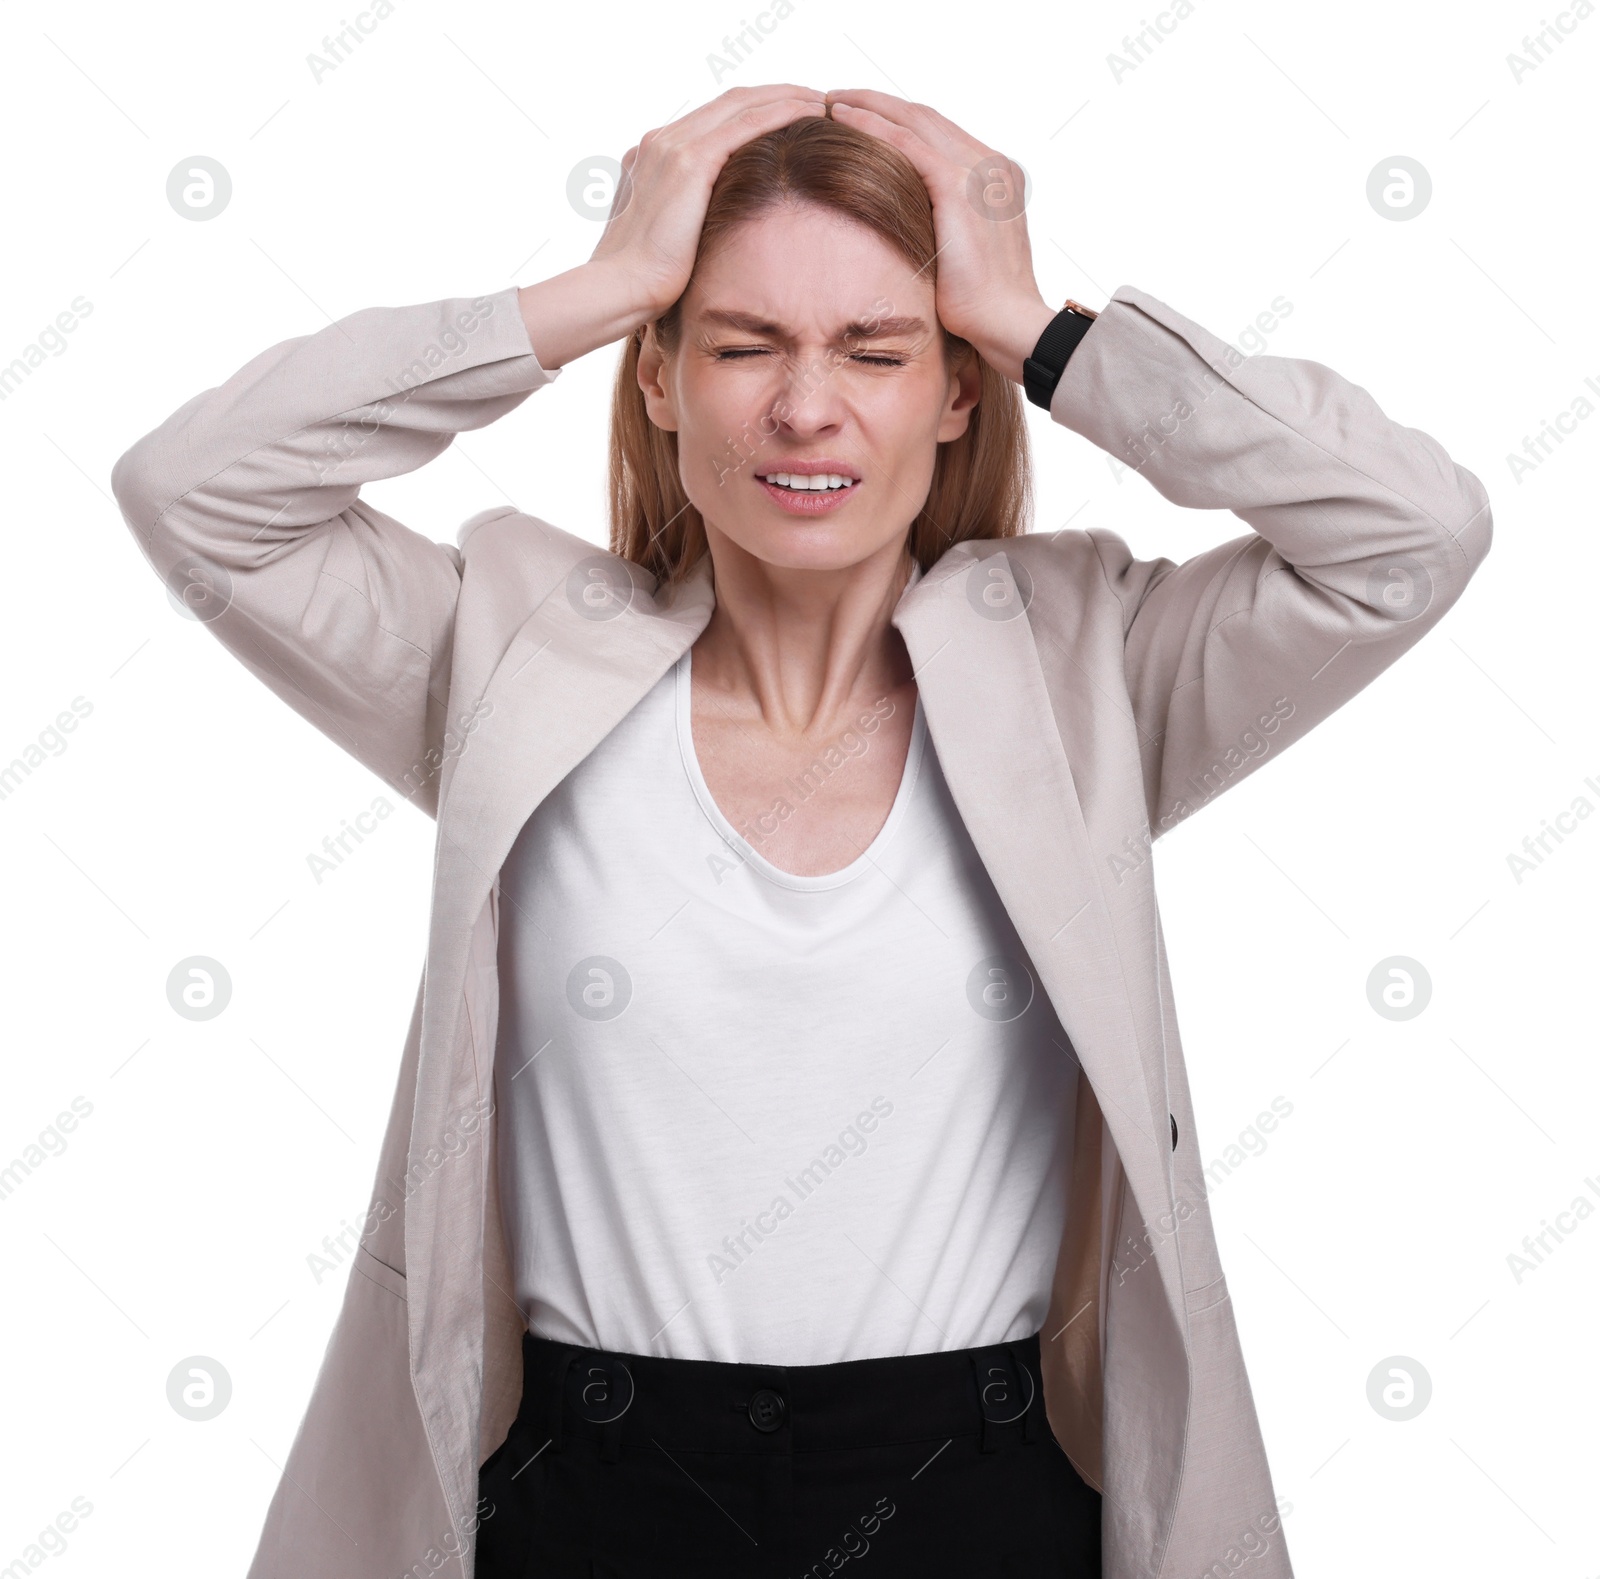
(811, 398)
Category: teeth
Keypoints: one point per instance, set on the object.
(821, 481)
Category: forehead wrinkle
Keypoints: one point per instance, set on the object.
(859, 329)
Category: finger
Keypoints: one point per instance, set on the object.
(727, 125)
(873, 98)
(931, 165)
(733, 101)
(934, 129)
(721, 109)
(767, 90)
(748, 122)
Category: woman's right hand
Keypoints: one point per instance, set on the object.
(643, 260)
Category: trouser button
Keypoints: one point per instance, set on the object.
(767, 1410)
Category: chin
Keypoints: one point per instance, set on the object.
(804, 547)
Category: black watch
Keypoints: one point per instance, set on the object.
(1042, 371)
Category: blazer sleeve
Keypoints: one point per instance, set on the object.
(246, 501)
(1363, 533)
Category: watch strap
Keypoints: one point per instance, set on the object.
(1042, 371)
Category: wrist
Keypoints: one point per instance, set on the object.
(1044, 369)
(634, 298)
(593, 305)
(1015, 331)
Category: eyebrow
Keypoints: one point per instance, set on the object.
(861, 329)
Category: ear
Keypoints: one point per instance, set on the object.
(658, 401)
(966, 384)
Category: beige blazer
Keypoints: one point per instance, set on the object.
(1082, 702)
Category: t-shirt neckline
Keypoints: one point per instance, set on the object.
(747, 852)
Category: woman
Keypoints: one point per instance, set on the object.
(794, 954)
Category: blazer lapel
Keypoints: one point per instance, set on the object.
(573, 670)
(988, 710)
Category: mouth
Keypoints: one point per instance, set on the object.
(808, 492)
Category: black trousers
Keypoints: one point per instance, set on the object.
(625, 1466)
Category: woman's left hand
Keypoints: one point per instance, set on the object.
(984, 285)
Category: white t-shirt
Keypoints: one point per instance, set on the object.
(755, 1117)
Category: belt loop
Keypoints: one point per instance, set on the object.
(1007, 1384)
(611, 1436)
(980, 1372)
(558, 1398)
(1030, 1417)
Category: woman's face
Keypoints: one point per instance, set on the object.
(808, 345)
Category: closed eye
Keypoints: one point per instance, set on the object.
(739, 352)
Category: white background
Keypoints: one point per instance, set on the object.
(1229, 169)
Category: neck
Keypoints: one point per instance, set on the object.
(802, 647)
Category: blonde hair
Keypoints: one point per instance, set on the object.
(981, 486)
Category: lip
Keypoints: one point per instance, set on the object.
(819, 502)
(815, 467)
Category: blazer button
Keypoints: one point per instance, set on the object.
(767, 1410)
(1174, 1118)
